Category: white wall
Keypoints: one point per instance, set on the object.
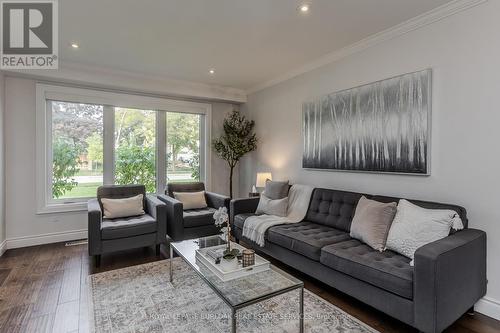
(220, 169)
(464, 51)
(23, 226)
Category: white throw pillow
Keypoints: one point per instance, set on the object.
(267, 206)
(414, 226)
(191, 200)
(124, 207)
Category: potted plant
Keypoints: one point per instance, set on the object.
(229, 259)
(237, 140)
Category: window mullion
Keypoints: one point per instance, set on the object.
(205, 142)
(109, 145)
(201, 152)
(161, 151)
(48, 153)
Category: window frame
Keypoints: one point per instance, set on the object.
(109, 100)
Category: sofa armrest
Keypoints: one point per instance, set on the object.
(174, 216)
(216, 200)
(94, 227)
(449, 278)
(158, 210)
(241, 206)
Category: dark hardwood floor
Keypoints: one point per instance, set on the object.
(44, 289)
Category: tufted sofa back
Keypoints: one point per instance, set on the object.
(336, 208)
(332, 208)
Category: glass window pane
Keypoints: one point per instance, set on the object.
(183, 147)
(135, 156)
(77, 145)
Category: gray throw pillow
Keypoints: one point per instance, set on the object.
(276, 189)
(372, 221)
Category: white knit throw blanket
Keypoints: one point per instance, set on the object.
(298, 201)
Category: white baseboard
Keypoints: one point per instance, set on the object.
(3, 247)
(489, 307)
(13, 243)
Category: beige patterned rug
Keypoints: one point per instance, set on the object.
(141, 299)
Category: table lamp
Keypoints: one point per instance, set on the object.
(261, 179)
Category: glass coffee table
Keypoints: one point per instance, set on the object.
(241, 292)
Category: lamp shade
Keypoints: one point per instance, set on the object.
(262, 177)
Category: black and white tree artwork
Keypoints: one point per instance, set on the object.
(379, 127)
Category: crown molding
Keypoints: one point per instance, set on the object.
(86, 75)
(412, 24)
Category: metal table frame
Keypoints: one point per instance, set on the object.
(234, 309)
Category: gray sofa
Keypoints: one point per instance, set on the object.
(110, 235)
(193, 223)
(448, 278)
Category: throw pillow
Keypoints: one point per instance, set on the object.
(372, 221)
(191, 200)
(272, 207)
(124, 207)
(414, 226)
(276, 189)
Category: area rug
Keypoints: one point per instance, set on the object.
(142, 299)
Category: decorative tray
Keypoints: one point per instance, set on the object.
(205, 256)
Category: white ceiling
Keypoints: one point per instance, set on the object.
(248, 42)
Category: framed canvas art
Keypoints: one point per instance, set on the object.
(378, 127)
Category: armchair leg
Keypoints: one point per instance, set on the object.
(97, 260)
(471, 311)
(157, 249)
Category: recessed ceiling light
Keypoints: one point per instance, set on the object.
(212, 71)
(75, 45)
(304, 8)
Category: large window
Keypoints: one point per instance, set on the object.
(87, 138)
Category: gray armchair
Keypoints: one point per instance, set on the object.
(110, 235)
(187, 224)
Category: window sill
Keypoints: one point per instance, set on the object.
(62, 208)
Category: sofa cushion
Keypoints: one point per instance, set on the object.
(305, 238)
(199, 217)
(386, 270)
(127, 226)
(239, 220)
(332, 208)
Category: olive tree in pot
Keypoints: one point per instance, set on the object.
(237, 140)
